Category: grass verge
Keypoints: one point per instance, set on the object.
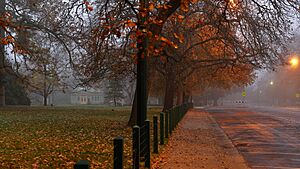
(57, 137)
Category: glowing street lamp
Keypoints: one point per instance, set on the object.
(294, 62)
(232, 3)
(273, 94)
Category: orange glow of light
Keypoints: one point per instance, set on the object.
(232, 3)
(294, 62)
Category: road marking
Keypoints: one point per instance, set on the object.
(266, 143)
(293, 159)
(270, 167)
(269, 153)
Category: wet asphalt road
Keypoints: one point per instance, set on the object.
(267, 137)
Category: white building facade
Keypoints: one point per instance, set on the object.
(87, 98)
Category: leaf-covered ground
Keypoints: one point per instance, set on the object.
(57, 137)
(199, 142)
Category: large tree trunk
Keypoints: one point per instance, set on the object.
(134, 113)
(142, 49)
(2, 58)
(133, 116)
(170, 89)
(141, 68)
(2, 95)
(45, 100)
(180, 97)
(186, 98)
(45, 92)
(115, 101)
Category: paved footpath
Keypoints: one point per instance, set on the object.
(198, 142)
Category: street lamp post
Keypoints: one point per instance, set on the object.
(258, 97)
(272, 90)
(294, 62)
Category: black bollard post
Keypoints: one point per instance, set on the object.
(147, 142)
(118, 153)
(136, 147)
(82, 164)
(155, 135)
(175, 121)
(170, 121)
(161, 125)
(167, 124)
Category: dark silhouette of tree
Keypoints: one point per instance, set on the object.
(15, 91)
(2, 56)
(114, 91)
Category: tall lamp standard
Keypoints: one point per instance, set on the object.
(272, 84)
(294, 62)
(259, 92)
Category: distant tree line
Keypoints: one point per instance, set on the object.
(190, 45)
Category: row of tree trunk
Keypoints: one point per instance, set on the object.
(172, 92)
(2, 58)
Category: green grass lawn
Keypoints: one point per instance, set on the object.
(57, 137)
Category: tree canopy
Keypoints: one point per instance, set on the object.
(189, 44)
